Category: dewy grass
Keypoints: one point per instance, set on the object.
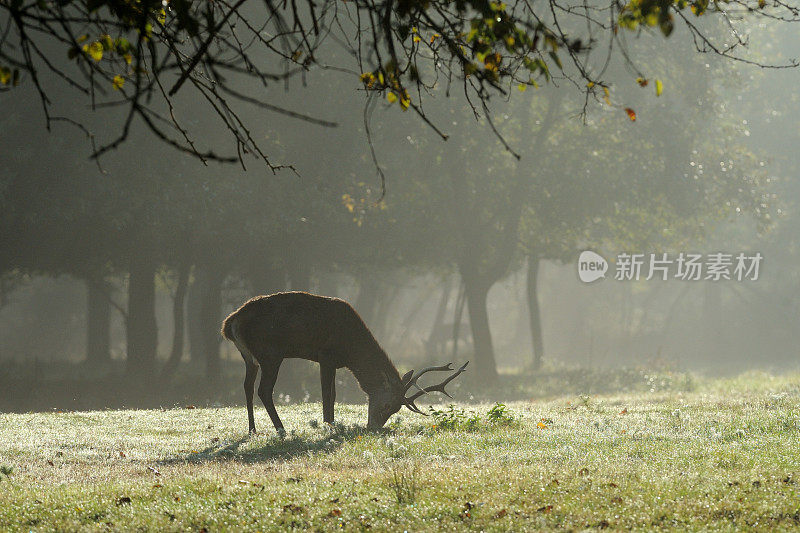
(723, 456)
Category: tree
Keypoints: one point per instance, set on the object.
(138, 58)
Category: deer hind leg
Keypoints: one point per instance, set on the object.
(249, 386)
(249, 377)
(328, 379)
(269, 374)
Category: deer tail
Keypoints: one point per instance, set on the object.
(227, 327)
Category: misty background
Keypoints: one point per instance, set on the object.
(116, 275)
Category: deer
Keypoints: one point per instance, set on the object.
(268, 329)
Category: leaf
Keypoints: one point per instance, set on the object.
(117, 83)
(631, 114)
(501, 513)
(541, 425)
(335, 513)
(642, 82)
(123, 500)
(522, 87)
(624, 411)
(659, 87)
(95, 50)
(391, 97)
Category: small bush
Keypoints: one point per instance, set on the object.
(404, 482)
(499, 415)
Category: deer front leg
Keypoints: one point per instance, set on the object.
(249, 386)
(328, 379)
(269, 374)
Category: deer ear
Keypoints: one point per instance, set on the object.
(406, 377)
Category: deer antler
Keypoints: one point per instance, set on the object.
(412, 381)
(409, 400)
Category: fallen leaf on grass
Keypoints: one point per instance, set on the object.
(293, 508)
(501, 513)
(541, 425)
(335, 513)
(122, 454)
(624, 411)
(123, 500)
(546, 509)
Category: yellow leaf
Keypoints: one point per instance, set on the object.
(659, 87)
(522, 87)
(127, 57)
(118, 82)
(391, 97)
(642, 82)
(95, 50)
(631, 114)
(541, 425)
(416, 39)
(590, 85)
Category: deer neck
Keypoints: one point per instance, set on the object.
(375, 374)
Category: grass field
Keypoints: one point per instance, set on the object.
(720, 454)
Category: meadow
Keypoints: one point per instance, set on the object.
(670, 454)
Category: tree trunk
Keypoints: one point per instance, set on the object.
(142, 331)
(367, 300)
(205, 304)
(476, 291)
(266, 279)
(534, 312)
(436, 344)
(458, 314)
(178, 308)
(98, 333)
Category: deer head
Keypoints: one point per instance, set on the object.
(389, 400)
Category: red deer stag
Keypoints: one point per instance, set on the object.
(268, 329)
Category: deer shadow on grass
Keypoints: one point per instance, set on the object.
(277, 447)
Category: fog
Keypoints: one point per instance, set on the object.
(92, 252)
